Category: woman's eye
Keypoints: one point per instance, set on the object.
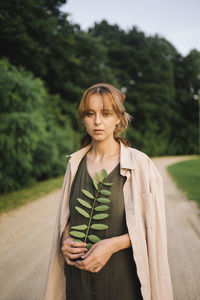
(105, 113)
(89, 113)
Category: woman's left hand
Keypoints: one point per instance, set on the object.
(96, 257)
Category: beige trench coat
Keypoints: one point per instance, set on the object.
(145, 218)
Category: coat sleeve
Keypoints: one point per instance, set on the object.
(157, 239)
(54, 288)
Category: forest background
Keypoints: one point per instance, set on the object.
(47, 62)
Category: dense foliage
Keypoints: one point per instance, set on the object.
(38, 116)
(32, 143)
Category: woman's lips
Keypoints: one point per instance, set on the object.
(98, 131)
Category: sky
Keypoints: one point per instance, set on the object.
(178, 21)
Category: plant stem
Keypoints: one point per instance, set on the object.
(95, 198)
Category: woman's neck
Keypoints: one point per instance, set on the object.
(105, 148)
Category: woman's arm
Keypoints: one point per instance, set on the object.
(99, 254)
(121, 242)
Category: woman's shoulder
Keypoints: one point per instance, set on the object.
(132, 158)
(139, 154)
(144, 160)
(141, 159)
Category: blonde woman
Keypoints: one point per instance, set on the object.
(130, 261)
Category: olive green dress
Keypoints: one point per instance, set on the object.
(118, 279)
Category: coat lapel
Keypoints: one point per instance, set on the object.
(126, 159)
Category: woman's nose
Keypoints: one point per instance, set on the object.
(97, 120)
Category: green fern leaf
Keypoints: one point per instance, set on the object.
(105, 174)
(89, 245)
(95, 184)
(105, 192)
(77, 234)
(108, 183)
(99, 226)
(93, 238)
(84, 203)
(77, 231)
(80, 227)
(103, 200)
(88, 194)
(101, 207)
(100, 216)
(82, 212)
(99, 177)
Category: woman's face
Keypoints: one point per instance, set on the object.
(100, 121)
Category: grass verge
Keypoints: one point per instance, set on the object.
(15, 199)
(187, 176)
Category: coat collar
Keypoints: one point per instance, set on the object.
(126, 157)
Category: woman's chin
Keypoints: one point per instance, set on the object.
(98, 138)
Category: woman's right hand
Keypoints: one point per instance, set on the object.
(72, 250)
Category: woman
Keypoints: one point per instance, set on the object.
(130, 261)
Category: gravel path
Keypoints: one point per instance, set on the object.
(183, 228)
(26, 235)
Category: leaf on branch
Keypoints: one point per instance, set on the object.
(77, 234)
(105, 192)
(103, 200)
(108, 183)
(93, 238)
(89, 245)
(105, 174)
(99, 226)
(95, 183)
(80, 227)
(97, 212)
(88, 194)
(82, 212)
(84, 203)
(99, 177)
(101, 207)
(100, 216)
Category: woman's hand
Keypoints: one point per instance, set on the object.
(96, 257)
(72, 250)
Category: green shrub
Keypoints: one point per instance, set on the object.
(32, 143)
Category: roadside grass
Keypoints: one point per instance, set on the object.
(12, 200)
(187, 177)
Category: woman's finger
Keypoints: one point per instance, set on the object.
(74, 256)
(76, 244)
(73, 250)
(86, 254)
(71, 242)
(87, 263)
(69, 262)
(69, 254)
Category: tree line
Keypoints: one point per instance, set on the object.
(46, 64)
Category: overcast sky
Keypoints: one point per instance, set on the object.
(176, 20)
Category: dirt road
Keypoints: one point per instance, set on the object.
(183, 228)
(26, 235)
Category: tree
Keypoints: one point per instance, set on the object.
(32, 145)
